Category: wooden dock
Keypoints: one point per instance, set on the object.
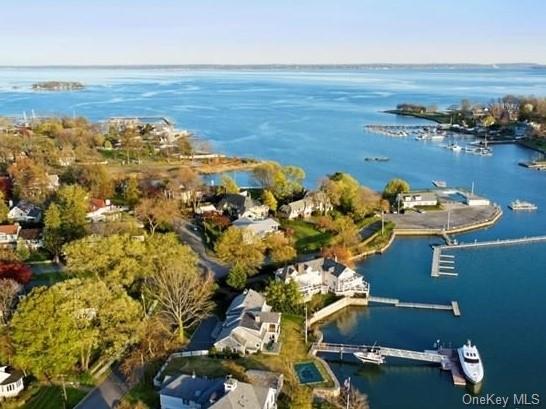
(442, 262)
(395, 302)
(494, 243)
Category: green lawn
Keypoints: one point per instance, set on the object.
(50, 278)
(51, 397)
(308, 237)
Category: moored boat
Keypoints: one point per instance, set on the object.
(439, 183)
(522, 205)
(371, 356)
(471, 362)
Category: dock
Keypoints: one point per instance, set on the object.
(442, 262)
(395, 302)
(494, 243)
(447, 358)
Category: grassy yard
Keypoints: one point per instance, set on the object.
(51, 397)
(50, 278)
(376, 241)
(308, 237)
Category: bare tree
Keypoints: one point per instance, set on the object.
(182, 293)
(356, 400)
(8, 292)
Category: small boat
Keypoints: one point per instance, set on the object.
(470, 360)
(376, 159)
(439, 183)
(371, 356)
(521, 205)
(454, 147)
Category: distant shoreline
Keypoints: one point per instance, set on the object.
(355, 66)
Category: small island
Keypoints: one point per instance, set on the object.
(58, 86)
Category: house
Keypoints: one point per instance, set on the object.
(53, 182)
(103, 210)
(32, 238)
(250, 325)
(11, 382)
(410, 200)
(25, 212)
(205, 208)
(471, 199)
(312, 202)
(324, 275)
(9, 233)
(240, 205)
(191, 392)
(258, 228)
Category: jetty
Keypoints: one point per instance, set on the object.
(395, 302)
(447, 358)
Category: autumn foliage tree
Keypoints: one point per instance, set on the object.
(157, 212)
(15, 270)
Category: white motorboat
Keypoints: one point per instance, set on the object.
(439, 183)
(471, 362)
(371, 356)
(521, 205)
(454, 147)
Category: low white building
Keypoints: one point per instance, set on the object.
(324, 275)
(474, 200)
(410, 200)
(9, 233)
(250, 325)
(103, 210)
(11, 382)
(191, 392)
(25, 212)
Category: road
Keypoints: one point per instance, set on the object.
(106, 395)
(192, 238)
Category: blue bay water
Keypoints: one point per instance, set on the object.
(315, 119)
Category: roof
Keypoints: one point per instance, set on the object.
(9, 228)
(210, 393)
(9, 375)
(95, 204)
(237, 201)
(257, 226)
(425, 195)
(31, 210)
(319, 264)
(30, 234)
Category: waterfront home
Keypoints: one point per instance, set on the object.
(257, 228)
(410, 200)
(11, 382)
(324, 275)
(9, 233)
(103, 210)
(250, 325)
(25, 212)
(312, 202)
(241, 205)
(192, 392)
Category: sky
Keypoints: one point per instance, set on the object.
(116, 32)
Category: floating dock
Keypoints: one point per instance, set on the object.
(395, 302)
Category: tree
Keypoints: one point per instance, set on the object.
(16, 271)
(228, 184)
(53, 236)
(157, 212)
(182, 293)
(57, 328)
(131, 192)
(348, 196)
(339, 253)
(282, 181)
(237, 276)
(247, 252)
(284, 297)
(353, 399)
(3, 208)
(98, 180)
(31, 181)
(269, 200)
(281, 249)
(22, 250)
(347, 232)
(8, 295)
(190, 181)
(72, 203)
(394, 187)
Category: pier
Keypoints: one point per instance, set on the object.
(493, 243)
(454, 306)
(447, 358)
(442, 262)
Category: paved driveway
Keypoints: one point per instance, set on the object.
(105, 395)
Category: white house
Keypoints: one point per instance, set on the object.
(9, 233)
(259, 228)
(312, 202)
(324, 275)
(191, 392)
(11, 382)
(103, 210)
(410, 200)
(240, 205)
(25, 212)
(250, 325)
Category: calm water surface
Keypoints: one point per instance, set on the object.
(314, 120)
